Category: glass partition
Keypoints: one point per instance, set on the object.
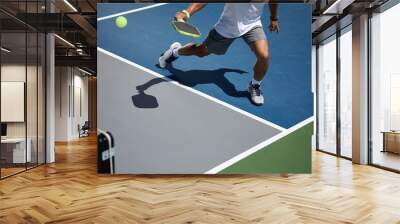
(14, 153)
(22, 77)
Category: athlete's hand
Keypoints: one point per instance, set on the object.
(180, 16)
(274, 26)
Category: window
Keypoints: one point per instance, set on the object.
(385, 89)
(327, 95)
(346, 92)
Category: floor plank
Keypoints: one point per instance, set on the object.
(70, 191)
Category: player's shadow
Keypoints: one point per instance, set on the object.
(189, 78)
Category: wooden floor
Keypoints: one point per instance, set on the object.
(70, 191)
(5, 172)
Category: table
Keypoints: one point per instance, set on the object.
(19, 155)
(391, 141)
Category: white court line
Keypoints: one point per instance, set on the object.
(256, 148)
(130, 11)
(193, 90)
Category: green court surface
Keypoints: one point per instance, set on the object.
(290, 154)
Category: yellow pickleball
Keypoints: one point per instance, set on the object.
(121, 22)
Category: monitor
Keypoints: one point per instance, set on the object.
(3, 129)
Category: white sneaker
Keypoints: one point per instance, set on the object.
(167, 57)
(256, 96)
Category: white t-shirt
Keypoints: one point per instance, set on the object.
(238, 18)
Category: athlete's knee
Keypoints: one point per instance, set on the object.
(202, 51)
(263, 56)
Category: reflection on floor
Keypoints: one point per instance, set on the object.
(10, 169)
(71, 191)
(387, 159)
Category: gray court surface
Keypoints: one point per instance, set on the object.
(161, 128)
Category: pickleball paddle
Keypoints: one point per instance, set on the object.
(186, 29)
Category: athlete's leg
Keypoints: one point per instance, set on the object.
(193, 49)
(257, 41)
(261, 50)
(213, 44)
(177, 50)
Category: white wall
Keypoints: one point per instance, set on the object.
(12, 73)
(70, 83)
(33, 126)
(62, 81)
(79, 117)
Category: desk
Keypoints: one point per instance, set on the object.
(391, 141)
(18, 150)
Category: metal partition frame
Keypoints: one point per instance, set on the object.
(44, 75)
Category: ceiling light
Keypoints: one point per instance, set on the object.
(331, 7)
(70, 5)
(5, 50)
(337, 7)
(79, 51)
(84, 71)
(64, 40)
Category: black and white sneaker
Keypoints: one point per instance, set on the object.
(167, 57)
(256, 96)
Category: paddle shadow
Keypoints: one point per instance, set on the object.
(190, 78)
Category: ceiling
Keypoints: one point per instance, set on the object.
(331, 15)
(75, 23)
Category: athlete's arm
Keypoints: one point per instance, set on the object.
(191, 9)
(274, 23)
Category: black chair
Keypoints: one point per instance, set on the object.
(84, 130)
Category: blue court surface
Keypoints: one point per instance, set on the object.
(286, 88)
